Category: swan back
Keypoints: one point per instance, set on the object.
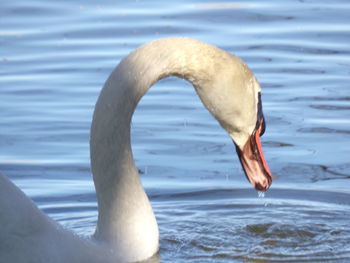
(28, 235)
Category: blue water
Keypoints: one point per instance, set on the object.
(55, 57)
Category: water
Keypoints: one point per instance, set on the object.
(55, 57)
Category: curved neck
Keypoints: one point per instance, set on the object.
(121, 199)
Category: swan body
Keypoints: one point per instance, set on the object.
(126, 229)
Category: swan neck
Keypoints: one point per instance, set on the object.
(111, 154)
(126, 220)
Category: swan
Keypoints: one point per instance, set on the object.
(126, 229)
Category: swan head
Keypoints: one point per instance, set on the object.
(251, 154)
(234, 99)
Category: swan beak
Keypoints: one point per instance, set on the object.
(253, 160)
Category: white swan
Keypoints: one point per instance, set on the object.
(126, 229)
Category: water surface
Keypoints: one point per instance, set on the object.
(55, 57)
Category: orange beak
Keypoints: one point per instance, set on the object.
(252, 156)
(253, 160)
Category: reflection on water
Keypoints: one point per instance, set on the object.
(54, 58)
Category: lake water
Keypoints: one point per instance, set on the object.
(55, 57)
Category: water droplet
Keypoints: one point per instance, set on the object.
(261, 194)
